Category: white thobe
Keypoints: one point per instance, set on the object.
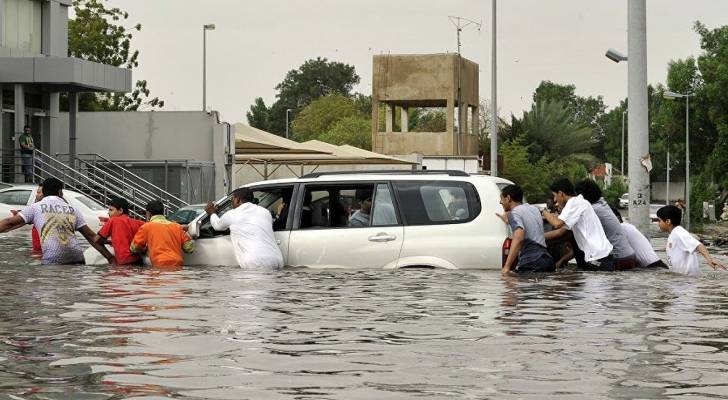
(251, 233)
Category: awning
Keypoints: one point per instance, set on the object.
(65, 74)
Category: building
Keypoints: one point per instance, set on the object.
(35, 69)
(427, 81)
(173, 155)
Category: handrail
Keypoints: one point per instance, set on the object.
(126, 171)
(38, 166)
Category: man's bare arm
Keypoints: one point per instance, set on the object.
(10, 223)
(90, 237)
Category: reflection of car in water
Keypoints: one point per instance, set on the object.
(186, 214)
(403, 219)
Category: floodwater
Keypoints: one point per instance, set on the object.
(77, 332)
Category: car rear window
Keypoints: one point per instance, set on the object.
(437, 202)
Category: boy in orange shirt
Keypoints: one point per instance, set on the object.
(164, 240)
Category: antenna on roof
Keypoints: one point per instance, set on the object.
(461, 23)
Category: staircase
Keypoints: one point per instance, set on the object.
(102, 179)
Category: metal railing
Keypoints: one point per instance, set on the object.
(110, 173)
(101, 180)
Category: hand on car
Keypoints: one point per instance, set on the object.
(210, 208)
(503, 217)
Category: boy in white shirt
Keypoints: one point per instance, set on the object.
(578, 216)
(682, 247)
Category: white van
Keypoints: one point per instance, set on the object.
(439, 219)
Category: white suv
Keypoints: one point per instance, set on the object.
(440, 219)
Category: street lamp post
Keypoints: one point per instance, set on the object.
(672, 96)
(288, 110)
(623, 115)
(205, 28)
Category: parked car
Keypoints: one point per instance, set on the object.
(624, 201)
(187, 214)
(18, 196)
(426, 219)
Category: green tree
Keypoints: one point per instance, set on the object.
(259, 115)
(314, 79)
(586, 111)
(534, 178)
(353, 130)
(552, 135)
(321, 115)
(98, 34)
(431, 120)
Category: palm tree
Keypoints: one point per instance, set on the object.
(550, 133)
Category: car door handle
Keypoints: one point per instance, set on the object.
(382, 237)
(278, 242)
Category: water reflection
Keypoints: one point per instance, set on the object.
(225, 333)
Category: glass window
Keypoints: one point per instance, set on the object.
(15, 197)
(22, 25)
(341, 206)
(438, 202)
(384, 213)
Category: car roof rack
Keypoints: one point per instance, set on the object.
(449, 172)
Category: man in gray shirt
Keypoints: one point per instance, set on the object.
(622, 251)
(528, 247)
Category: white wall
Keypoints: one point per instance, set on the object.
(154, 135)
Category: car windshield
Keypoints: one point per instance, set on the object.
(625, 196)
(185, 215)
(90, 204)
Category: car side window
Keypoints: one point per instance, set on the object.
(438, 202)
(383, 213)
(345, 206)
(15, 197)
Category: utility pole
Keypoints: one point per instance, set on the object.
(638, 138)
(493, 99)
(460, 23)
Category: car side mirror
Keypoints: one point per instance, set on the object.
(193, 228)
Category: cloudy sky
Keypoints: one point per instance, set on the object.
(257, 42)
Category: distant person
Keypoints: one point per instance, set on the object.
(164, 240)
(458, 207)
(120, 230)
(682, 248)
(57, 223)
(622, 251)
(528, 246)
(251, 231)
(26, 153)
(361, 217)
(591, 246)
(643, 251)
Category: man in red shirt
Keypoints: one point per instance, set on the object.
(121, 228)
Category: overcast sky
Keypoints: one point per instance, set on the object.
(257, 42)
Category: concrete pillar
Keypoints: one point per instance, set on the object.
(72, 124)
(638, 138)
(464, 118)
(404, 119)
(475, 117)
(389, 118)
(376, 145)
(51, 103)
(19, 112)
(450, 124)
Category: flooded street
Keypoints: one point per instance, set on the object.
(223, 333)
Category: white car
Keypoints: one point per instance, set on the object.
(17, 197)
(624, 201)
(418, 219)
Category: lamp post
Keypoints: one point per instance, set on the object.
(288, 110)
(672, 96)
(493, 97)
(205, 28)
(624, 113)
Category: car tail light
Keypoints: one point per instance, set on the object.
(505, 250)
(103, 219)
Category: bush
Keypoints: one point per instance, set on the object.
(613, 192)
